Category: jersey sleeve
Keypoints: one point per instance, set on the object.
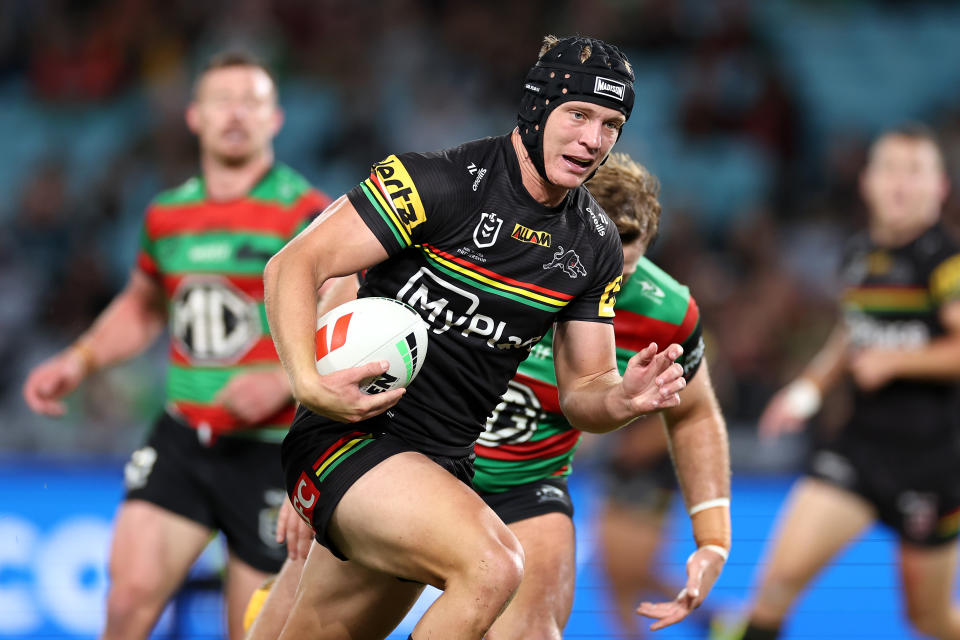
(596, 304)
(147, 251)
(404, 199)
(689, 335)
(945, 280)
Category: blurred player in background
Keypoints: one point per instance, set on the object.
(526, 453)
(212, 460)
(896, 459)
(437, 231)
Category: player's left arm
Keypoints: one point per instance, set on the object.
(593, 395)
(699, 448)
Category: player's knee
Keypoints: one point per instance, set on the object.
(131, 599)
(779, 590)
(498, 569)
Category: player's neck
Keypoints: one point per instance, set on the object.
(229, 182)
(547, 194)
(898, 235)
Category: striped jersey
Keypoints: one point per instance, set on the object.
(488, 268)
(209, 258)
(527, 437)
(891, 299)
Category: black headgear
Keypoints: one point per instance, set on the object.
(605, 78)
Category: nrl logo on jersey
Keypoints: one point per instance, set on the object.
(474, 170)
(485, 233)
(525, 234)
(568, 261)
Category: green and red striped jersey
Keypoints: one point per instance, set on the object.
(209, 258)
(527, 437)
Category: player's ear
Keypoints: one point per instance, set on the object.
(192, 116)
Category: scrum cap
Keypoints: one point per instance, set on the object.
(559, 76)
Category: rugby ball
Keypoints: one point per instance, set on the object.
(370, 329)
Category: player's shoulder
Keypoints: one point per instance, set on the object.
(282, 185)
(651, 286)
(594, 219)
(190, 192)
(464, 165)
(936, 244)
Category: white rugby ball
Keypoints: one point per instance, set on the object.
(370, 329)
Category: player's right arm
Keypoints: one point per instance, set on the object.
(337, 243)
(792, 406)
(129, 324)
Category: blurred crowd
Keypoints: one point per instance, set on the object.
(759, 168)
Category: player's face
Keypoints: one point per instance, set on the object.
(904, 181)
(632, 252)
(576, 138)
(235, 113)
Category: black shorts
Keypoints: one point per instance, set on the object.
(647, 487)
(235, 486)
(530, 500)
(322, 459)
(916, 491)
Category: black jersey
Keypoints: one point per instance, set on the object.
(489, 269)
(892, 298)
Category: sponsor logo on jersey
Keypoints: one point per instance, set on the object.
(609, 88)
(212, 252)
(476, 171)
(919, 513)
(609, 298)
(945, 280)
(445, 306)
(692, 359)
(525, 234)
(531, 87)
(550, 493)
(139, 467)
(305, 498)
(486, 231)
(213, 322)
(866, 331)
(652, 292)
(267, 518)
(599, 221)
(568, 261)
(402, 192)
(514, 420)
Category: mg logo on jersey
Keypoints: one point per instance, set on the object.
(485, 233)
(514, 420)
(568, 261)
(213, 322)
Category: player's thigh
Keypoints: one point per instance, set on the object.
(409, 517)
(153, 548)
(354, 600)
(927, 575)
(818, 520)
(549, 567)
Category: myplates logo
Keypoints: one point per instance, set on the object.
(485, 233)
(610, 88)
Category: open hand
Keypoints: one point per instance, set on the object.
(703, 569)
(653, 380)
(51, 380)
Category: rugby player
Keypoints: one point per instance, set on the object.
(525, 453)
(435, 230)
(896, 458)
(212, 459)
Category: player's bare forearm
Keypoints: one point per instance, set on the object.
(337, 243)
(129, 324)
(698, 442)
(592, 405)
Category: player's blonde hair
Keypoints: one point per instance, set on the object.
(628, 193)
(550, 41)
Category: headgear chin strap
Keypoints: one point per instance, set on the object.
(605, 78)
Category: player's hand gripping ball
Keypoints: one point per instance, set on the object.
(370, 329)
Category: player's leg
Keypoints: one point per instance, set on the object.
(451, 540)
(267, 611)
(160, 529)
(151, 553)
(339, 599)
(819, 519)
(541, 606)
(629, 538)
(242, 581)
(928, 575)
